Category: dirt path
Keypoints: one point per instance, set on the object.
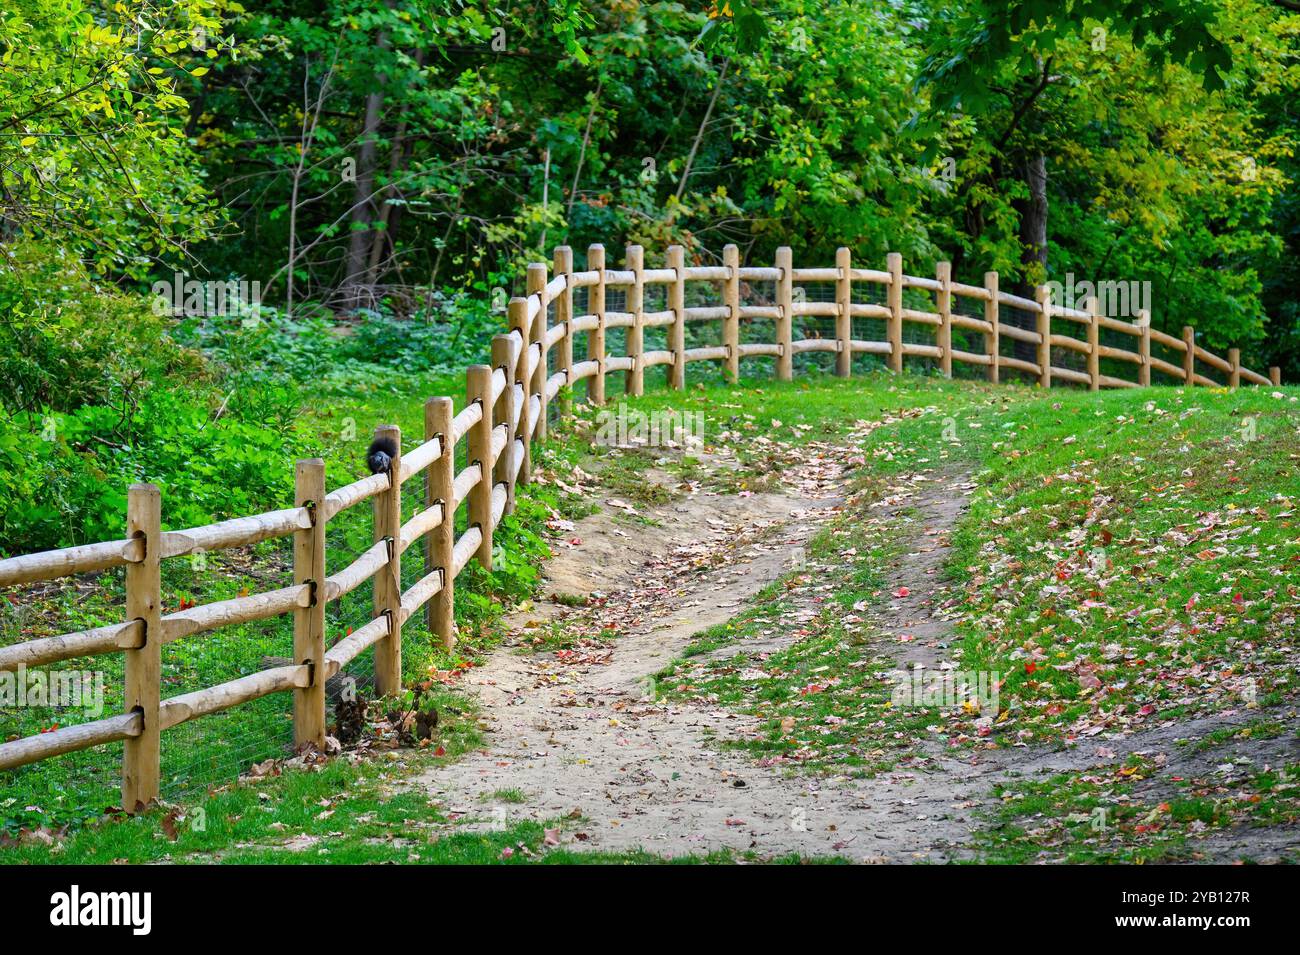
(575, 733)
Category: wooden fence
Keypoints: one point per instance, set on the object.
(504, 412)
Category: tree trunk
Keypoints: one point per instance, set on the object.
(385, 237)
(1033, 221)
(364, 209)
(1033, 235)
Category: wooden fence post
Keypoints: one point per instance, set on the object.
(634, 382)
(844, 312)
(517, 374)
(504, 351)
(388, 581)
(785, 324)
(943, 304)
(1234, 361)
(1043, 296)
(894, 328)
(596, 337)
(564, 316)
(142, 754)
(439, 543)
(309, 621)
(1275, 376)
(731, 299)
(1094, 344)
(478, 388)
(1144, 348)
(537, 333)
(677, 303)
(1189, 356)
(992, 338)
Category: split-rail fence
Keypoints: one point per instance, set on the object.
(504, 413)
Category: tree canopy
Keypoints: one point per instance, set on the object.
(349, 155)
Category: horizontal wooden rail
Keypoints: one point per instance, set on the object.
(52, 564)
(181, 709)
(504, 412)
(68, 739)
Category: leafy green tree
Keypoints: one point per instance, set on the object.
(94, 158)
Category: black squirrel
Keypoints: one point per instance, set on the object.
(380, 456)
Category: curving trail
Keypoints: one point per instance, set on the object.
(578, 735)
(580, 738)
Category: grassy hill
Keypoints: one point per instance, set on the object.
(1128, 559)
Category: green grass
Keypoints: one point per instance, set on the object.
(823, 701)
(1131, 557)
(1128, 557)
(505, 795)
(1255, 729)
(75, 789)
(1185, 609)
(1131, 812)
(258, 814)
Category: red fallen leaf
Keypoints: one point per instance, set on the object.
(1163, 807)
(1191, 602)
(1030, 667)
(811, 688)
(575, 541)
(440, 751)
(1106, 536)
(168, 823)
(735, 822)
(507, 852)
(1237, 601)
(1148, 709)
(901, 592)
(50, 729)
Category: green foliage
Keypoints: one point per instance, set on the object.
(66, 340)
(984, 42)
(66, 474)
(93, 147)
(1164, 158)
